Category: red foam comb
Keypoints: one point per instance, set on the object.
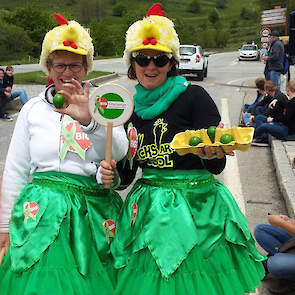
(156, 9)
(60, 19)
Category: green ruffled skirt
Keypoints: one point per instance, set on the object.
(181, 232)
(60, 233)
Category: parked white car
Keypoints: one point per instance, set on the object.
(249, 52)
(193, 61)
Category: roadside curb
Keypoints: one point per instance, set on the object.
(102, 79)
(285, 174)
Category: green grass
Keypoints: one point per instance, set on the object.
(39, 77)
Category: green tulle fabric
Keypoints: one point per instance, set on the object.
(189, 237)
(65, 249)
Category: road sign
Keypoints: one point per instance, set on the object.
(264, 45)
(265, 32)
(281, 10)
(273, 17)
(273, 22)
(264, 40)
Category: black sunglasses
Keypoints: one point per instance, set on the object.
(159, 60)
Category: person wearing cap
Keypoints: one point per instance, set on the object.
(180, 230)
(274, 58)
(62, 220)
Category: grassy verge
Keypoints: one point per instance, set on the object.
(39, 77)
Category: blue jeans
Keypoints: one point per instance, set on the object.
(263, 128)
(275, 77)
(260, 110)
(21, 93)
(269, 237)
(246, 119)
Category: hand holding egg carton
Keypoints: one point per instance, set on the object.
(235, 138)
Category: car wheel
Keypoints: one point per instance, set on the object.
(206, 72)
(201, 75)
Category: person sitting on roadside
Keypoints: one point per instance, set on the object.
(279, 120)
(262, 108)
(280, 266)
(4, 95)
(246, 114)
(8, 84)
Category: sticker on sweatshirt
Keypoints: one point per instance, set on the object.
(73, 139)
(30, 211)
(109, 228)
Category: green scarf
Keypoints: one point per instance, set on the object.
(149, 103)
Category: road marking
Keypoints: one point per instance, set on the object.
(239, 80)
(231, 172)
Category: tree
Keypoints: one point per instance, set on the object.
(34, 21)
(119, 9)
(111, 42)
(247, 13)
(214, 16)
(90, 9)
(194, 6)
(221, 4)
(221, 38)
(14, 42)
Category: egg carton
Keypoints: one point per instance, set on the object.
(242, 140)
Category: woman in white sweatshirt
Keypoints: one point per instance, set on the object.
(61, 220)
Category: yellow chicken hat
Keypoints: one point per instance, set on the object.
(155, 31)
(69, 36)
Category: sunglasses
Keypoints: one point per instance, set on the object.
(159, 60)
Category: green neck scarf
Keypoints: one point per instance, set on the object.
(149, 103)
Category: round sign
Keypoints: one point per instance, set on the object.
(264, 45)
(265, 32)
(110, 103)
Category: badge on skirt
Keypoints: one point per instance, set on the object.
(30, 211)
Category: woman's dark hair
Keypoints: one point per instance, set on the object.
(173, 72)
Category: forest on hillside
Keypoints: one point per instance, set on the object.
(214, 24)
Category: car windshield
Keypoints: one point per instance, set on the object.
(187, 50)
(249, 47)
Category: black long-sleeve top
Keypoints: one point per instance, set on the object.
(193, 109)
(267, 100)
(8, 81)
(288, 115)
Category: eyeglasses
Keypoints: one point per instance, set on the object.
(60, 68)
(144, 60)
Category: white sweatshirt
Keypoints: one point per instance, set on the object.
(35, 146)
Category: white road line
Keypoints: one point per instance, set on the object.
(231, 173)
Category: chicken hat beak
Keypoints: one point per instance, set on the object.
(68, 36)
(155, 31)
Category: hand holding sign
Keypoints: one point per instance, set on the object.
(110, 105)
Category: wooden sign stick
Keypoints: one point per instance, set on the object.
(2, 251)
(109, 145)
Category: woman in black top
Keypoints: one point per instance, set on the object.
(180, 230)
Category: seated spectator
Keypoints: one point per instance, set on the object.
(280, 266)
(279, 120)
(8, 84)
(4, 96)
(261, 108)
(246, 114)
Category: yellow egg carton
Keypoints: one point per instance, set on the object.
(242, 140)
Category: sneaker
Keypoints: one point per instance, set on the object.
(259, 142)
(6, 118)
